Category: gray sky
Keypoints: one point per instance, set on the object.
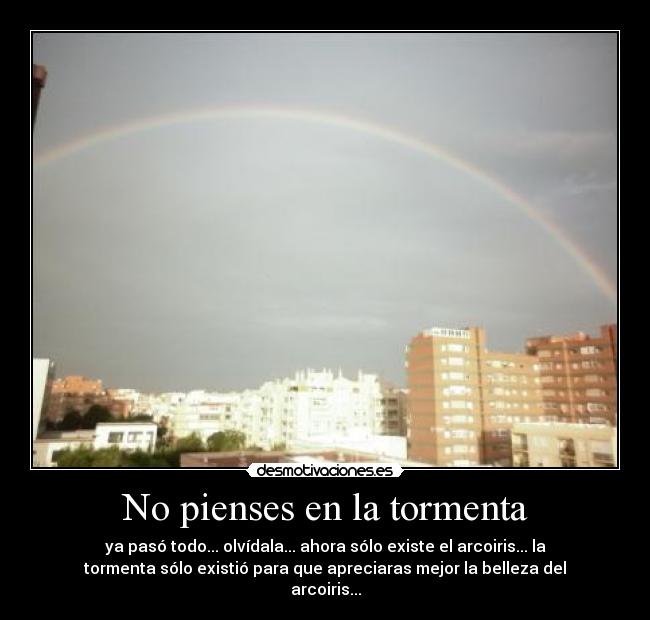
(224, 253)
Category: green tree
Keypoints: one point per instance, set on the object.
(225, 441)
(162, 438)
(81, 457)
(109, 457)
(171, 456)
(140, 458)
(95, 415)
(71, 421)
(191, 443)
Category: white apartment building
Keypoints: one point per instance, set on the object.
(162, 407)
(42, 373)
(129, 436)
(205, 413)
(564, 444)
(51, 442)
(320, 405)
(312, 404)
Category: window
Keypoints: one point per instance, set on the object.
(567, 452)
(462, 404)
(456, 390)
(458, 419)
(456, 348)
(601, 453)
(115, 437)
(454, 376)
(459, 434)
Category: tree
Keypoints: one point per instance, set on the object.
(225, 441)
(71, 421)
(191, 443)
(81, 457)
(140, 458)
(95, 415)
(108, 457)
(163, 440)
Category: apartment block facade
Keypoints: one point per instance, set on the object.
(463, 399)
(564, 444)
(316, 404)
(510, 390)
(79, 393)
(578, 376)
(204, 413)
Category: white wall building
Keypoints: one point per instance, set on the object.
(205, 413)
(123, 435)
(129, 436)
(384, 446)
(53, 441)
(564, 444)
(312, 405)
(42, 373)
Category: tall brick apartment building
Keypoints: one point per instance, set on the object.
(578, 376)
(464, 399)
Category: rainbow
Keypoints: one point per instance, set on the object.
(382, 132)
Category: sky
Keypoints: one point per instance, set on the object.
(223, 250)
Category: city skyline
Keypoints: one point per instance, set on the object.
(338, 369)
(460, 407)
(385, 183)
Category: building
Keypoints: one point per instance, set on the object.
(50, 442)
(205, 413)
(564, 444)
(122, 401)
(78, 393)
(510, 393)
(244, 459)
(385, 446)
(463, 399)
(578, 375)
(128, 436)
(316, 404)
(393, 403)
(39, 76)
(74, 393)
(42, 379)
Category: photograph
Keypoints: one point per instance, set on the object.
(318, 249)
